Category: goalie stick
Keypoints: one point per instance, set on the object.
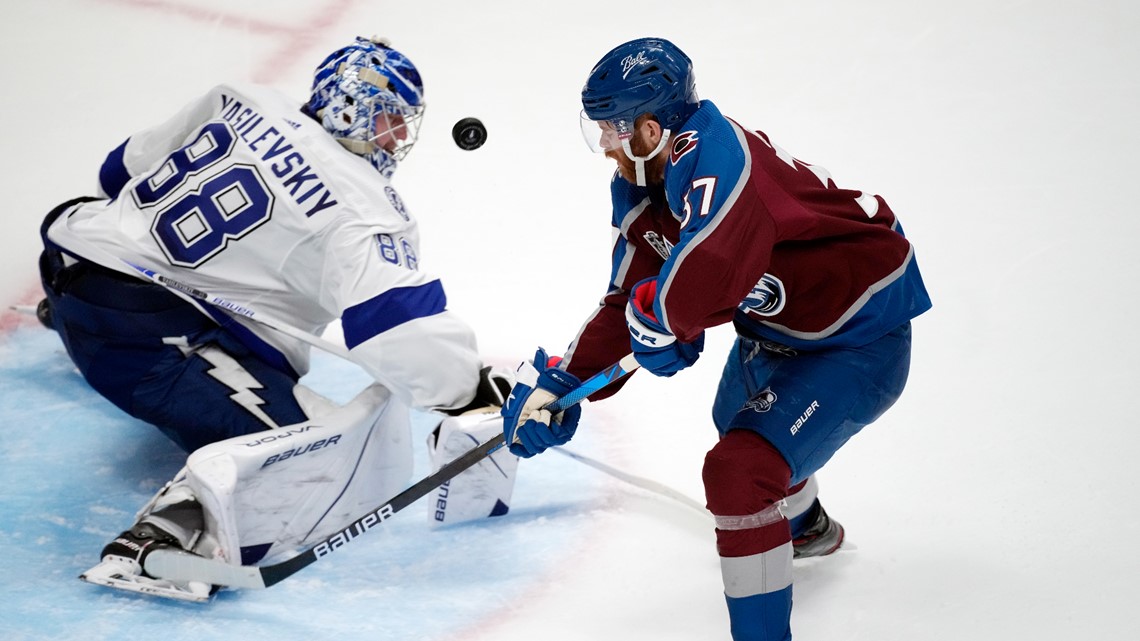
(239, 310)
(177, 565)
(100, 256)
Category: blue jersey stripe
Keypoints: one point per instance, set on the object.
(113, 174)
(390, 309)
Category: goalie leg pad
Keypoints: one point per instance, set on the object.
(269, 494)
(482, 491)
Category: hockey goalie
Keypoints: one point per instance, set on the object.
(189, 289)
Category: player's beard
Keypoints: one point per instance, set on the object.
(654, 167)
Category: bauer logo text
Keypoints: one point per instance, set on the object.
(301, 449)
(804, 417)
(441, 501)
(345, 536)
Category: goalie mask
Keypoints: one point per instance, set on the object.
(370, 98)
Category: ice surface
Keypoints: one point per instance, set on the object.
(995, 501)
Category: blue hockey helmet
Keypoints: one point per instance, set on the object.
(647, 75)
(371, 98)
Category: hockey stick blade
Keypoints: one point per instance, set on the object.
(176, 565)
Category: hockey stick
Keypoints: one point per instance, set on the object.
(636, 481)
(240, 310)
(177, 565)
(104, 258)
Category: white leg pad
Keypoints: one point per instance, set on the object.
(272, 493)
(484, 489)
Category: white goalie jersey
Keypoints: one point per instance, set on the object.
(243, 196)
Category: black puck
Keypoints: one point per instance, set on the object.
(469, 133)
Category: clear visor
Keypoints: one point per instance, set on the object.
(396, 127)
(605, 135)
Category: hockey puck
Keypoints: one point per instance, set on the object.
(469, 133)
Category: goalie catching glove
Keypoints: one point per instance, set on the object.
(527, 427)
(490, 393)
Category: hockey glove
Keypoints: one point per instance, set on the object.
(528, 428)
(490, 392)
(655, 348)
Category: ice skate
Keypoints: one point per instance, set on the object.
(122, 566)
(821, 538)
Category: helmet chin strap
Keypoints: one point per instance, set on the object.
(639, 161)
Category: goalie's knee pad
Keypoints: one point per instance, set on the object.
(313, 403)
(481, 491)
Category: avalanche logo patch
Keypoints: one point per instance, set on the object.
(762, 402)
(767, 297)
(685, 142)
(397, 204)
(659, 243)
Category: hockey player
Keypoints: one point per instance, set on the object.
(289, 210)
(715, 223)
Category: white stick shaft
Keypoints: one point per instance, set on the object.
(637, 481)
(240, 310)
(103, 257)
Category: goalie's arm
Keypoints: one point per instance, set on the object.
(430, 362)
(395, 320)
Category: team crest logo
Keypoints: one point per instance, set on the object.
(683, 143)
(397, 204)
(779, 349)
(762, 402)
(659, 244)
(767, 297)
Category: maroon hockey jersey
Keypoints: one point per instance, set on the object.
(741, 231)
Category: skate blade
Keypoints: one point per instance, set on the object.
(121, 577)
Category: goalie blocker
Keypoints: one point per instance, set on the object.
(485, 489)
(263, 497)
